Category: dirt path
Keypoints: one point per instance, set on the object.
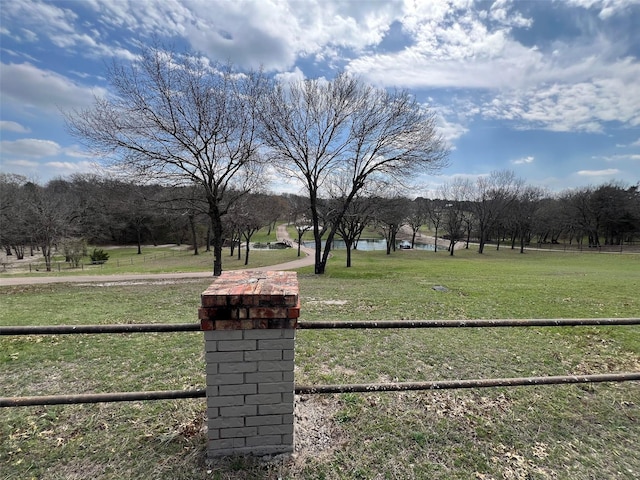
(281, 235)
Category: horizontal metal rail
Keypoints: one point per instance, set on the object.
(540, 322)
(90, 329)
(312, 325)
(458, 384)
(100, 398)
(320, 389)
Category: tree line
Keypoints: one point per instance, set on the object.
(65, 215)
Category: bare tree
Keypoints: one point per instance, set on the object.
(389, 215)
(297, 211)
(15, 228)
(48, 217)
(492, 195)
(524, 209)
(179, 119)
(417, 217)
(435, 214)
(355, 219)
(454, 218)
(247, 216)
(550, 220)
(318, 129)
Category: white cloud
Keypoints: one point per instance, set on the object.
(636, 143)
(585, 106)
(42, 17)
(566, 86)
(454, 46)
(599, 173)
(619, 157)
(296, 75)
(20, 163)
(615, 158)
(29, 147)
(75, 151)
(73, 167)
(28, 86)
(10, 126)
(450, 131)
(607, 8)
(523, 161)
(252, 33)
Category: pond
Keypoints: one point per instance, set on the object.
(368, 244)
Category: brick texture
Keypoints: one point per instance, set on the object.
(249, 320)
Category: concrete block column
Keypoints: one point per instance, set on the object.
(249, 320)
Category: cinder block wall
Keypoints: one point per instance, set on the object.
(249, 319)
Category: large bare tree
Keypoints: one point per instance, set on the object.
(492, 196)
(318, 129)
(456, 195)
(178, 119)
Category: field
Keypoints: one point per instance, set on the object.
(564, 432)
(153, 259)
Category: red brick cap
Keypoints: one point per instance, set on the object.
(248, 299)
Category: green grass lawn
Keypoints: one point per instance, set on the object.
(161, 259)
(566, 432)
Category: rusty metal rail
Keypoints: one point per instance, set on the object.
(541, 322)
(91, 329)
(476, 383)
(318, 389)
(100, 398)
(317, 325)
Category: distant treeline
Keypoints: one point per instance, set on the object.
(101, 211)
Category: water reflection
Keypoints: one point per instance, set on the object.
(366, 245)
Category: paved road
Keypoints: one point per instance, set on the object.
(281, 235)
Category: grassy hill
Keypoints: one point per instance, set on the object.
(572, 432)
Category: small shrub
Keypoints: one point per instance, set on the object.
(99, 256)
(74, 249)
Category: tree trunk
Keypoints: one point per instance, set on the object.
(216, 226)
(246, 253)
(46, 253)
(435, 244)
(327, 249)
(19, 249)
(482, 242)
(348, 245)
(139, 240)
(194, 237)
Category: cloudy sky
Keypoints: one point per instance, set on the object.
(548, 89)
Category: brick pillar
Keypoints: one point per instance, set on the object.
(249, 320)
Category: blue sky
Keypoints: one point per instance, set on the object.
(548, 89)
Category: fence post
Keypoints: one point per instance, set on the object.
(249, 319)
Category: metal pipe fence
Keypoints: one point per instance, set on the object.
(548, 322)
(319, 325)
(100, 398)
(474, 383)
(322, 389)
(93, 329)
